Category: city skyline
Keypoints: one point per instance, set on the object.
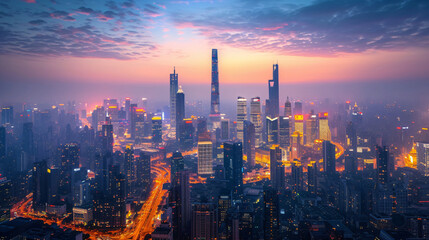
(125, 41)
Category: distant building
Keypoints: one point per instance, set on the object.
(329, 159)
(156, 130)
(272, 126)
(241, 116)
(422, 149)
(233, 164)
(324, 131)
(214, 102)
(255, 118)
(249, 143)
(174, 87)
(205, 157)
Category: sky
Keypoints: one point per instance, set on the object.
(73, 48)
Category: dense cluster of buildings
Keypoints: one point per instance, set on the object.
(298, 170)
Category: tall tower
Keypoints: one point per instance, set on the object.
(255, 118)
(273, 92)
(174, 87)
(214, 103)
(180, 112)
(241, 116)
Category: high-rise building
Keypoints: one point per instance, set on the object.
(138, 119)
(204, 221)
(277, 170)
(186, 138)
(298, 108)
(382, 165)
(273, 92)
(128, 109)
(69, 161)
(241, 116)
(223, 206)
(180, 112)
(271, 214)
(180, 202)
(272, 126)
(40, 184)
(297, 176)
(299, 126)
(117, 196)
(422, 149)
(174, 87)
(310, 129)
(156, 130)
(255, 118)
(144, 180)
(177, 165)
(27, 146)
(7, 115)
(224, 129)
(130, 169)
(288, 108)
(205, 157)
(249, 143)
(107, 137)
(312, 178)
(329, 159)
(324, 131)
(284, 134)
(233, 165)
(3, 147)
(214, 102)
(98, 115)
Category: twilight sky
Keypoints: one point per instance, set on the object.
(44, 42)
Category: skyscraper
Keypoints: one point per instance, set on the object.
(312, 178)
(186, 138)
(284, 134)
(233, 164)
(156, 130)
(288, 108)
(180, 201)
(382, 165)
(324, 131)
(310, 129)
(130, 169)
(7, 115)
(204, 221)
(174, 87)
(329, 159)
(214, 102)
(177, 165)
(143, 178)
(128, 108)
(273, 92)
(277, 170)
(40, 184)
(255, 118)
(107, 136)
(297, 177)
(224, 129)
(423, 157)
(297, 108)
(272, 125)
(205, 157)
(180, 112)
(299, 126)
(271, 214)
(249, 143)
(241, 116)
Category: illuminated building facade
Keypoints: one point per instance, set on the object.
(205, 157)
(186, 140)
(272, 125)
(271, 214)
(273, 92)
(241, 116)
(422, 149)
(180, 112)
(233, 165)
(156, 130)
(324, 131)
(284, 134)
(311, 129)
(174, 87)
(255, 118)
(205, 221)
(214, 102)
(249, 143)
(288, 108)
(299, 126)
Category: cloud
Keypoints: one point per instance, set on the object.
(57, 31)
(29, 1)
(37, 22)
(327, 27)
